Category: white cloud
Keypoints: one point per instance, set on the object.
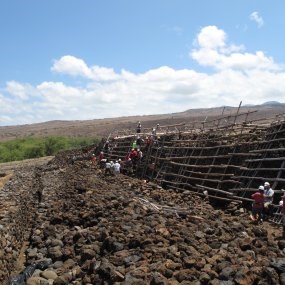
(77, 67)
(237, 76)
(20, 91)
(211, 37)
(214, 51)
(255, 17)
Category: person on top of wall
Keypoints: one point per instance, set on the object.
(139, 127)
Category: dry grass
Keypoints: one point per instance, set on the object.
(5, 179)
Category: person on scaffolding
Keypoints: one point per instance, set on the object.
(257, 206)
(268, 199)
(139, 128)
(283, 212)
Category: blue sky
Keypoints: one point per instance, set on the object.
(88, 59)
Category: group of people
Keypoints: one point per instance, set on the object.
(262, 203)
(112, 168)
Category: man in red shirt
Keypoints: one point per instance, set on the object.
(257, 206)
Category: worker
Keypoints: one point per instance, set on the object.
(283, 213)
(257, 206)
(139, 127)
(93, 159)
(116, 168)
(268, 199)
(108, 168)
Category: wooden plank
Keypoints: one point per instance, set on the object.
(205, 179)
(197, 147)
(261, 178)
(199, 157)
(209, 173)
(265, 159)
(210, 196)
(222, 166)
(268, 150)
(214, 189)
(262, 169)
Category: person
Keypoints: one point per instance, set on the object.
(140, 155)
(116, 168)
(258, 203)
(283, 213)
(268, 198)
(139, 141)
(106, 146)
(134, 145)
(93, 159)
(112, 167)
(134, 155)
(101, 156)
(101, 159)
(139, 127)
(129, 166)
(108, 168)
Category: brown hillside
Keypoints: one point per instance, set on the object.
(102, 127)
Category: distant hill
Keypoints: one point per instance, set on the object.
(102, 127)
(272, 103)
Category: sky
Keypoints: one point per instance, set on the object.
(93, 59)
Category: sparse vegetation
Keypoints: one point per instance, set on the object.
(27, 148)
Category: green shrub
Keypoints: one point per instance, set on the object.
(30, 147)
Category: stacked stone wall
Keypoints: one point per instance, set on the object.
(17, 204)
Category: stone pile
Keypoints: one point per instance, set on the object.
(17, 213)
(93, 229)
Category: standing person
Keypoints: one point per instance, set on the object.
(140, 155)
(108, 168)
(93, 159)
(101, 159)
(139, 128)
(283, 213)
(268, 198)
(116, 168)
(257, 206)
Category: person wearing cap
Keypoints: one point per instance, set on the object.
(108, 167)
(93, 159)
(268, 198)
(257, 206)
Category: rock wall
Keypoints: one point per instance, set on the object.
(18, 210)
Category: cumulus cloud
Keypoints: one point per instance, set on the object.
(213, 50)
(255, 17)
(237, 76)
(77, 67)
(19, 91)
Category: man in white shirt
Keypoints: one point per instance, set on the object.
(268, 198)
(116, 168)
(108, 166)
